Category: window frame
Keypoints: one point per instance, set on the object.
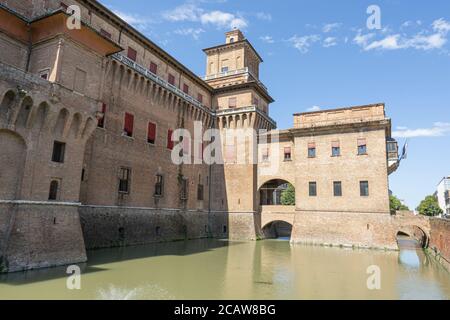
(124, 132)
(148, 133)
(314, 185)
(339, 185)
(57, 191)
(286, 153)
(159, 183)
(62, 152)
(362, 191)
(126, 170)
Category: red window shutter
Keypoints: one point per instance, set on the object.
(129, 123)
(132, 54)
(151, 135)
(186, 88)
(153, 67)
(169, 139)
(200, 98)
(101, 120)
(171, 79)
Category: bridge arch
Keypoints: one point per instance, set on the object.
(415, 232)
(277, 229)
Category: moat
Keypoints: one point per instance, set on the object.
(215, 269)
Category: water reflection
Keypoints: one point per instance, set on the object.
(214, 269)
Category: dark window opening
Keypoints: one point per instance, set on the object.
(101, 120)
(159, 185)
(83, 173)
(362, 147)
(200, 192)
(287, 154)
(224, 229)
(184, 189)
(151, 133)
(337, 188)
(158, 231)
(54, 188)
(313, 189)
(59, 149)
(170, 142)
(124, 180)
(364, 188)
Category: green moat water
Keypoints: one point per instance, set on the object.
(214, 269)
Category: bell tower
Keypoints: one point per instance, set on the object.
(241, 102)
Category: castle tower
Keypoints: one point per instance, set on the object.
(241, 103)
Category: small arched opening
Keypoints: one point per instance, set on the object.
(277, 192)
(410, 237)
(277, 230)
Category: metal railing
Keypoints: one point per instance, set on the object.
(245, 71)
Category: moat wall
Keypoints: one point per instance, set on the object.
(105, 227)
(440, 241)
(34, 235)
(364, 230)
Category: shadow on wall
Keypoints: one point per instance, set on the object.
(277, 229)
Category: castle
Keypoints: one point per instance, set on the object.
(87, 119)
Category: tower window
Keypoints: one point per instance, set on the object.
(128, 125)
(124, 180)
(364, 188)
(362, 147)
(184, 189)
(169, 139)
(287, 154)
(171, 79)
(200, 98)
(200, 192)
(224, 69)
(151, 133)
(132, 54)
(153, 67)
(313, 189)
(335, 149)
(159, 185)
(54, 190)
(232, 102)
(185, 88)
(59, 149)
(311, 150)
(337, 188)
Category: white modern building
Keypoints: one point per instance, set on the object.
(443, 194)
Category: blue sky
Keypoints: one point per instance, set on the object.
(320, 54)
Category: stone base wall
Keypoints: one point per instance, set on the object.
(440, 240)
(39, 235)
(364, 230)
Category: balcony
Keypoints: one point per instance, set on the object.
(392, 155)
(243, 71)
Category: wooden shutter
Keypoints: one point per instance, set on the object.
(151, 134)
(171, 79)
(169, 139)
(185, 88)
(132, 54)
(153, 67)
(129, 124)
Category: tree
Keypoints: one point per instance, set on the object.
(288, 196)
(429, 207)
(396, 204)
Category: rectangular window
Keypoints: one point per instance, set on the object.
(169, 139)
(59, 149)
(232, 102)
(337, 188)
(44, 74)
(313, 189)
(124, 180)
(128, 125)
(224, 69)
(132, 54)
(105, 33)
(184, 189)
(151, 133)
(101, 120)
(200, 192)
(287, 154)
(311, 150)
(185, 88)
(364, 188)
(200, 98)
(153, 67)
(159, 185)
(362, 147)
(171, 79)
(54, 190)
(335, 149)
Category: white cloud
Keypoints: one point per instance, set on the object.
(303, 43)
(439, 129)
(314, 108)
(330, 42)
(192, 13)
(195, 33)
(223, 20)
(135, 20)
(267, 39)
(264, 16)
(425, 40)
(330, 27)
